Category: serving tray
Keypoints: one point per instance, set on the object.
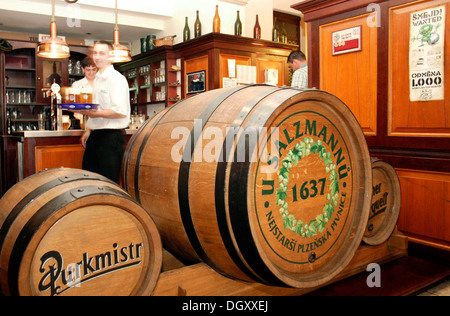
(78, 106)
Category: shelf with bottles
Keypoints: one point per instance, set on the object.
(158, 81)
(19, 86)
(132, 79)
(279, 33)
(16, 126)
(144, 83)
(17, 96)
(174, 85)
(20, 89)
(20, 77)
(159, 73)
(20, 118)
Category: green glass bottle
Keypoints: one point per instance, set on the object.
(197, 26)
(238, 26)
(275, 31)
(283, 34)
(186, 31)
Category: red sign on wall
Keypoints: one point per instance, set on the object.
(346, 41)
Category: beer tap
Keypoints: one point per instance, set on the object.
(55, 111)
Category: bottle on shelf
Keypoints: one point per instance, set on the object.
(238, 26)
(283, 34)
(275, 31)
(197, 26)
(8, 124)
(186, 31)
(216, 21)
(257, 29)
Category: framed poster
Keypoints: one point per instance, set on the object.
(346, 41)
(426, 54)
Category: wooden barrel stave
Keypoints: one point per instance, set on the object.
(131, 156)
(64, 209)
(205, 181)
(213, 192)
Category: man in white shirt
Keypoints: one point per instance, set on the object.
(90, 70)
(104, 138)
(297, 61)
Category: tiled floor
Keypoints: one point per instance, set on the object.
(440, 289)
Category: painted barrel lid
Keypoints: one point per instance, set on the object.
(386, 202)
(73, 232)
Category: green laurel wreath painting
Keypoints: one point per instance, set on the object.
(303, 149)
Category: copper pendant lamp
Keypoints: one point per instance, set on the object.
(53, 47)
(119, 53)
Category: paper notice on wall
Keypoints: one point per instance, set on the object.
(246, 74)
(271, 76)
(426, 54)
(229, 82)
(232, 68)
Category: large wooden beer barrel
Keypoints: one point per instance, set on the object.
(386, 202)
(72, 232)
(263, 184)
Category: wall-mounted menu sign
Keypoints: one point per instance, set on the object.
(346, 41)
(426, 54)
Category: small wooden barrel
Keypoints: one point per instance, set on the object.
(263, 184)
(72, 232)
(386, 201)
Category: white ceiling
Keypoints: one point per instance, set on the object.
(83, 20)
(95, 19)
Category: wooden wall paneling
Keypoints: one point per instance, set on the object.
(49, 157)
(447, 211)
(406, 118)
(223, 61)
(317, 15)
(196, 64)
(9, 167)
(271, 62)
(425, 208)
(214, 68)
(29, 148)
(313, 54)
(352, 77)
(316, 9)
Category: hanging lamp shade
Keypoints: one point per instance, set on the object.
(119, 53)
(53, 47)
